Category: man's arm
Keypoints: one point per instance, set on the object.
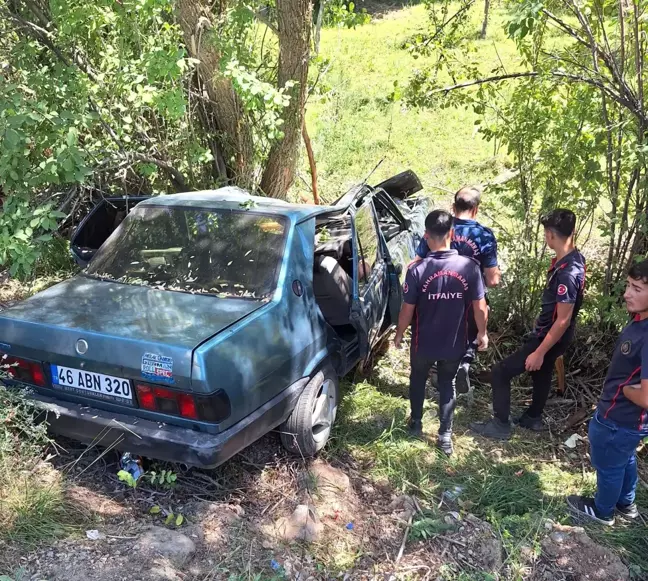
(638, 393)
(404, 321)
(410, 297)
(561, 324)
(493, 276)
(480, 309)
(488, 260)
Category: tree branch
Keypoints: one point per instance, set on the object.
(532, 74)
(176, 175)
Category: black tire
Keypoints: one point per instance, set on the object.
(301, 433)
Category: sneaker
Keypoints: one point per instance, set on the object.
(628, 511)
(529, 423)
(415, 428)
(494, 429)
(444, 443)
(462, 381)
(583, 506)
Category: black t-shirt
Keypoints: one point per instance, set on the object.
(442, 286)
(565, 284)
(629, 365)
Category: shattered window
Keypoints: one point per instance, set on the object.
(221, 252)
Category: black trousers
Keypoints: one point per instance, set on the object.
(446, 373)
(513, 366)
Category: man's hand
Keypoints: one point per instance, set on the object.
(482, 341)
(534, 361)
(398, 339)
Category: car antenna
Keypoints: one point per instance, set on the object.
(364, 183)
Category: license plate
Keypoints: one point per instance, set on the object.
(82, 382)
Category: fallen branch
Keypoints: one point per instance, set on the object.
(402, 547)
(311, 161)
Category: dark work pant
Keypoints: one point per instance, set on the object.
(513, 366)
(613, 450)
(446, 373)
(471, 333)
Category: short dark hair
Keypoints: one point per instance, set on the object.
(639, 271)
(438, 223)
(467, 199)
(560, 221)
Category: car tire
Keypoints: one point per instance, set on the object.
(308, 427)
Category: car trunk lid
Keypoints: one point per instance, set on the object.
(125, 327)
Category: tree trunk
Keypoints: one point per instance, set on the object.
(485, 23)
(294, 27)
(318, 24)
(236, 135)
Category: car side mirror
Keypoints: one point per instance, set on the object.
(398, 269)
(407, 224)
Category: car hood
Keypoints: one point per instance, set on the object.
(131, 312)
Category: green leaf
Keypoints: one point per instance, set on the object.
(169, 519)
(179, 520)
(155, 510)
(72, 136)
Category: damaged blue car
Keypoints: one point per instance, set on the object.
(202, 321)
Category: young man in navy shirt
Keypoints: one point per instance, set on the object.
(553, 332)
(620, 422)
(475, 241)
(439, 292)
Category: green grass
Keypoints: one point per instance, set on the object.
(515, 485)
(33, 508)
(353, 127)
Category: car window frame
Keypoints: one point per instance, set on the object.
(379, 250)
(285, 220)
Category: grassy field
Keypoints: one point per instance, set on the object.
(353, 125)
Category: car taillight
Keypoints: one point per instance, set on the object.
(187, 406)
(209, 408)
(23, 370)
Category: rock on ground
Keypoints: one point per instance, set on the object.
(173, 545)
(571, 549)
(302, 524)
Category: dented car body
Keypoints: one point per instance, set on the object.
(202, 321)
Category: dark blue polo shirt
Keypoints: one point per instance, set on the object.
(470, 239)
(442, 286)
(629, 365)
(565, 284)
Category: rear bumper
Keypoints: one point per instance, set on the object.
(163, 441)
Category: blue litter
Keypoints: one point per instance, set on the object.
(350, 526)
(275, 565)
(131, 465)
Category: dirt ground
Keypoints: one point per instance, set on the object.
(265, 515)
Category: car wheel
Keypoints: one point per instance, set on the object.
(308, 427)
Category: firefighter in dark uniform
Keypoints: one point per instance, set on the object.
(476, 241)
(553, 332)
(620, 422)
(439, 293)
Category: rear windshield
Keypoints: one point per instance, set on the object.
(221, 252)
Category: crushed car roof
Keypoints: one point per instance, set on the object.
(233, 198)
